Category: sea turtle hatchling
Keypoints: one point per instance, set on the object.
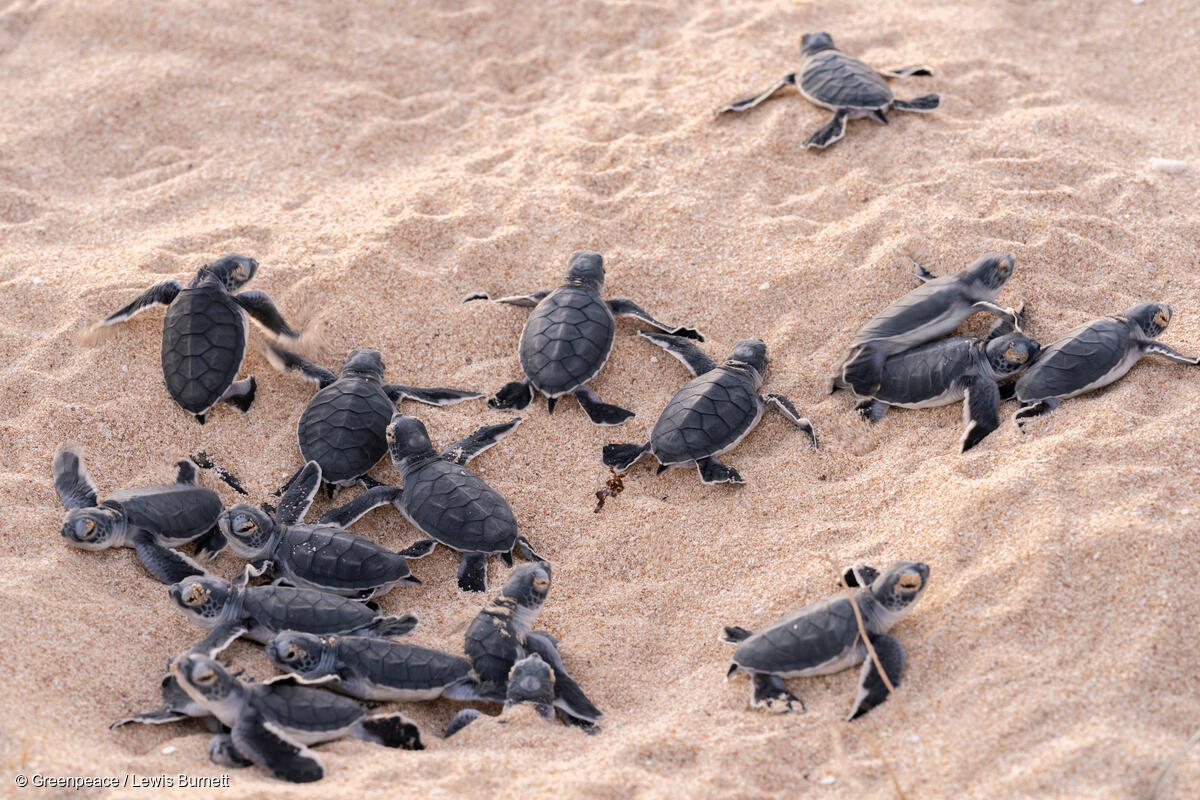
(823, 638)
(342, 428)
(530, 681)
(204, 333)
(321, 556)
(272, 724)
(232, 609)
(445, 501)
(1092, 356)
(150, 519)
(846, 86)
(928, 312)
(949, 370)
(567, 340)
(711, 414)
(371, 668)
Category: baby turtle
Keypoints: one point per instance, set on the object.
(151, 519)
(950, 370)
(444, 501)
(272, 724)
(233, 609)
(823, 638)
(531, 680)
(372, 668)
(568, 338)
(342, 428)
(926, 313)
(846, 86)
(204, 333)
(1092, 356)
(321, 556)
(711, 414)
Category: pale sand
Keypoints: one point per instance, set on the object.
(381, 162)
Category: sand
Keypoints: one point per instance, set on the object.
(382, 160)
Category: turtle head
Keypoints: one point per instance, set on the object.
(750, 353)
(992, 270)
(204, 679)
(531, 680)
(301, 653)
(364, 361)
(202, 597)
(94, 528)
(586, 268)
(248, 529)
(233, 270)
(528, 586)
(898, 587)
(811, 43)
(407, 438)
(1011, 353)
(1151, 318)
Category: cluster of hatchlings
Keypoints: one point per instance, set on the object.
(315, 616)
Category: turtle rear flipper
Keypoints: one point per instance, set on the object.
(461, 720)
(828, 133)
(748, 103)
(623, 456)
(240, 394)
(75, 488)
(871, 688)
(169, 566)
(389, 730)
(264, 744)
(924, 103)
(599, 412)
(863, 370)
(771, 693)
(1035, 409)
(713, 471)
(210, 544)
(472, 572)
(222, 752)
(515, 395)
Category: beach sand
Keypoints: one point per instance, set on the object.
(383, 160)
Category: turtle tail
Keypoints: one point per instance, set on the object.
(393, 626)
(863, 370)
(623, 456)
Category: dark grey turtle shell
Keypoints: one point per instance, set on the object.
(925, 372)
(344, 428)
(457, 508)
(492, 649)
(179, 511)
(1082, 357)
(337, 560)
(814, 635)
(398, 665)
(204, 340)
(304, 708)
(566, 340)
(835, 79)
(918, 308)
(706, 416)
(288, 608)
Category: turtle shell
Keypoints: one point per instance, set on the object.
(706, 417)
(287, 608)
(938, 300)
(303, 708)
(180, 511)
(925, 372)
(566, 340)
(836, 80)
(398, 665)
(204, 340)
(344, 428)
(336, 560)
(816, 635)
(492, 648)
(457, 508)
(1079, 360)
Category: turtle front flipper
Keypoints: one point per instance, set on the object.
(860, 575)
(461, 720)
(527, 300)
(218, 639)
(160, 294)
(436, 396)
(472, 572)
(623, 456)
(376, 496)
(299, 495)
(924, 275)
(682, 349)
(389, 627)
(185, 472)
(465, 449)
(260, 306)
(750, 102)
(1160, 349)
(785, 407)
(210, 544)
(627, 308)
(981, 409)
(999, 311)
(732, 634)
(922, 104)
(389, 730)
(1008, 323)
(287, 361)
(285, 759)
(222, 752)
(828, 133)
(906, 72)
(515, 395)
(871, 688)
(771, 693)
(169, 566)
(568, 697)
(713, 471)
(71, 480)
(160, 716)
(599, 412)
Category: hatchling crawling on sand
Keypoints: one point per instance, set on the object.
(321, 556)
(342, 428)
(531, 681)
(711, 414)
(568, 338)
(446, 502)
(204, 333)
(846, 86)
(1092, 356)
(272, 724)
(151, 519)
(926, 313)
(233, 609)
(823, 638)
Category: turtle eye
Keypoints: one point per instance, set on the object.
(205, 678)
(1015, 355)
(1161, 318)
(293, 653)
(909, 582)
(541, 584)
(90, 528)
